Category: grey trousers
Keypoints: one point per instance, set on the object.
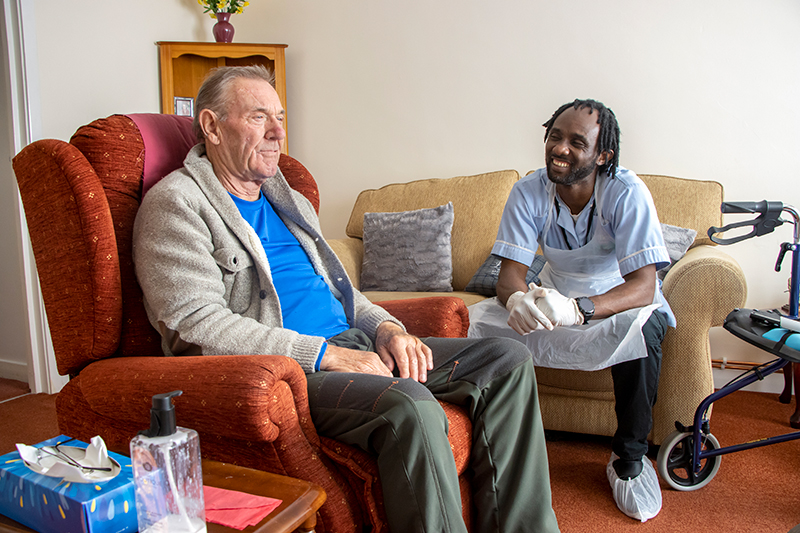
(401, 422)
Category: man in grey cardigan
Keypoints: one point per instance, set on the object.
(232, 261)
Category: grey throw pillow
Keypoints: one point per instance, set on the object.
(408, 251)
(485, 279)
(678, 240)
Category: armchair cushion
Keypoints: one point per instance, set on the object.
(408, 251)
(168, 139)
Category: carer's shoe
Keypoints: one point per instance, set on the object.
(638, 497)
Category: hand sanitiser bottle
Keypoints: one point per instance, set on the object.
(167, 474)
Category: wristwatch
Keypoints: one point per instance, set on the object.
(586, 307)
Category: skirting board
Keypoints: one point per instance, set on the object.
(771, 384)
(14, 370)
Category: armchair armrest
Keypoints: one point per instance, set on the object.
(249, 398)
(435, 316)
(350, 252)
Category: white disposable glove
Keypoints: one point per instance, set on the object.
(561, 311)
(524, 316)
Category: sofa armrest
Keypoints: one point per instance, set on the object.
(704, 286)
(247, 397)
(436, 316)
(350, 252)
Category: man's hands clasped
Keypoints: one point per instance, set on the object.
(541, 308)
(524, 315)
(561, 311)
(394, 347)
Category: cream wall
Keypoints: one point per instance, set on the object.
(381, 92)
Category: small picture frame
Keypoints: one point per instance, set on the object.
(184, 107)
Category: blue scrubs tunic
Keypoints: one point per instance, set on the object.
(625, 209)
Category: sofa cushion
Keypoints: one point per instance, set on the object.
(408, 251)
(478, 203)
(678, 240)
(485, 279)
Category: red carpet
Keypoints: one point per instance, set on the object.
(754, 490)
(10, 388)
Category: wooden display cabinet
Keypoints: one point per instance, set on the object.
(184, 65)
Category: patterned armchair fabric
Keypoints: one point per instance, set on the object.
(80, 201)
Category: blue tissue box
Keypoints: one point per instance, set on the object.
(52, 505)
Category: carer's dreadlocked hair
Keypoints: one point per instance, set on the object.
(608, 138)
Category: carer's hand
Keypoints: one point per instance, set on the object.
(561, 311)
(397, 348)
(524, 315)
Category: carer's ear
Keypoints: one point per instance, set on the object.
(604, 157)
(209, 123)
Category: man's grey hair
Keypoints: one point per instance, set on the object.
(215, 93)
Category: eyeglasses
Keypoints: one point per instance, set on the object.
(62, 455)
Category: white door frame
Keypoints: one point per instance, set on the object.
(25, 116)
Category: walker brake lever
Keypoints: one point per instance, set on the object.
(766, 222)
(785, 247)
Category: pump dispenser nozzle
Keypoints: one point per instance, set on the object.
(162, 415)
(167, 473)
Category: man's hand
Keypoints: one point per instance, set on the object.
(561, 311)
(397, 348)
(338, 359)
(525, 316)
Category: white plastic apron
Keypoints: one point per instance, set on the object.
(587, 271)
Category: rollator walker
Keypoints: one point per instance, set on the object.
(689, 458)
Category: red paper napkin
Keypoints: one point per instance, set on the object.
(236, 509)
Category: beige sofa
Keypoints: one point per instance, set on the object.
(702, 288)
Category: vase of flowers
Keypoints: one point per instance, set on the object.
(222, 11)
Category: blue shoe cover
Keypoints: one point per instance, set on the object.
(639, 497)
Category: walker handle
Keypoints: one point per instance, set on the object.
(766, 222)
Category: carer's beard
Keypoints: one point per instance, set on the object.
(573, 177)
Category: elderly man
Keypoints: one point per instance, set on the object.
(600, 303)
(232, 261)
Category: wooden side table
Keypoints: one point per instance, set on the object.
(300, 499)
(297, 511)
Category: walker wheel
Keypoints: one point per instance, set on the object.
(675, 461)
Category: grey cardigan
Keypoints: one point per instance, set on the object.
(206, 279)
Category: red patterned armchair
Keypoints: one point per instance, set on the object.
(80, 200)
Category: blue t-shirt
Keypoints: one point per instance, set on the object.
(307, 304)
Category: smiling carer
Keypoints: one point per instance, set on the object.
(232, 261)
(600, 302)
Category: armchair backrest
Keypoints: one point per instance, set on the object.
(80, 200)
